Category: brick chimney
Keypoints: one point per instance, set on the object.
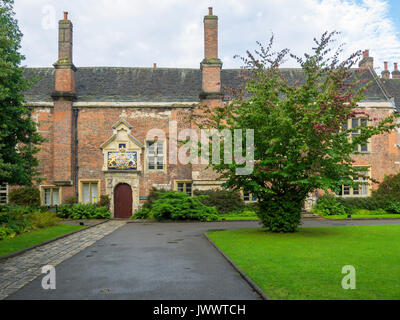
(64, 94)
(386, 73)
(396, 72)
(211, 65)
(367, 61)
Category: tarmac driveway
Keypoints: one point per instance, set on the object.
(171, 261)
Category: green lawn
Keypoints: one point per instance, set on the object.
(238, 218)
(32, 238)
(365, 216)
(308, 264)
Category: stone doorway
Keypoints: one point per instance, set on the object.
(123, 201)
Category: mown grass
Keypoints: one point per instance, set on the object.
(308, 264)
(32, 238)
(365, 216)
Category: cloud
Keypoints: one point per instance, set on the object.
(170, 32)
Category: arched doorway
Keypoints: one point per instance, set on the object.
(123, 201)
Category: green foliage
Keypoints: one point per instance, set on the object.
(29, 196)
(71, 200)
(179, 206)
(389, 189)
(393, 207)
(153, 196)
(224, 200)
(141, 214)
(80, 211)
(105, 201)
(330, 205)
(16, 220)
(299, 141)
(19, 138)
(367, 203)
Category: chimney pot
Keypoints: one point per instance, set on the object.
(210, 11)
(65, 15)
(386, 66)
(396, 67)
(366, 54)
(154, 65)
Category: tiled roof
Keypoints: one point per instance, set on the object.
(100, 84)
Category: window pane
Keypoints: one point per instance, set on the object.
(160, 164)
(47, 197)
(346, 190)
(151, 163)
(354, 123)
(85, 193)
(94, 192)
(181, 187)
(160, 148)
(56, 196)
(356, 191)
(345, 126)
(364, 147)
(151, 147)
(364, 190)
(364, 122)
(246, 196)
(189, 189)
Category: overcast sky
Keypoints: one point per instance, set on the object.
(137, 33)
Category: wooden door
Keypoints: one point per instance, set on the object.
(122, 201)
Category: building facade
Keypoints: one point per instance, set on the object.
(113, 131)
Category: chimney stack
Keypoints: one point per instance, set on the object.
(154, 65)
(367, 61)
(396, 72)
(63, 96)
(211, 65)
(386, 73)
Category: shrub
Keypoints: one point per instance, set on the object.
(224, 200)
(71, 200)
(179, 206)
(393, 207)
(28, 196)
(44, 219)
(105, 201)
(7, 233)
(141, 214)
(153, 196)
(80, 211)
(369, 203)
(330, 205)
(389, 188)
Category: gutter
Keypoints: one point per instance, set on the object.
(76, 171)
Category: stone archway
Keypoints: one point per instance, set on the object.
(123, 201)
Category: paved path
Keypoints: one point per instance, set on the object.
(17, 272)
(138, 261)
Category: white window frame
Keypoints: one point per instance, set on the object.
(90, 182)
(156, 156)
(51, 188)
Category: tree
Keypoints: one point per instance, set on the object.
(19, 138)
(300, 144)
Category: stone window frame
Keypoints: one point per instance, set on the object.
(351, 190)
(90, 181)
(146, 156)
(185, 182)
(51, 187)
(5, 192)
(349, 125)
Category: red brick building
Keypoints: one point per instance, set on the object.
(97, 120)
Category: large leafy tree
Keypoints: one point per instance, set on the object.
(18, 133)
(300, 144)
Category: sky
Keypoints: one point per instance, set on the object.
(137, 33)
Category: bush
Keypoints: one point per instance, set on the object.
(393, 207)
(330, 205)
(389, 188)
(28, 196)
(224, 200)
(7, 233)
(105, 201)
(179, 206)
(44, 220)
(153, 196)
(80, 211)
(369, 203)
(71, 200)
(141, 214)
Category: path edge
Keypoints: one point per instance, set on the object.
(17, 253)
(252, 284)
